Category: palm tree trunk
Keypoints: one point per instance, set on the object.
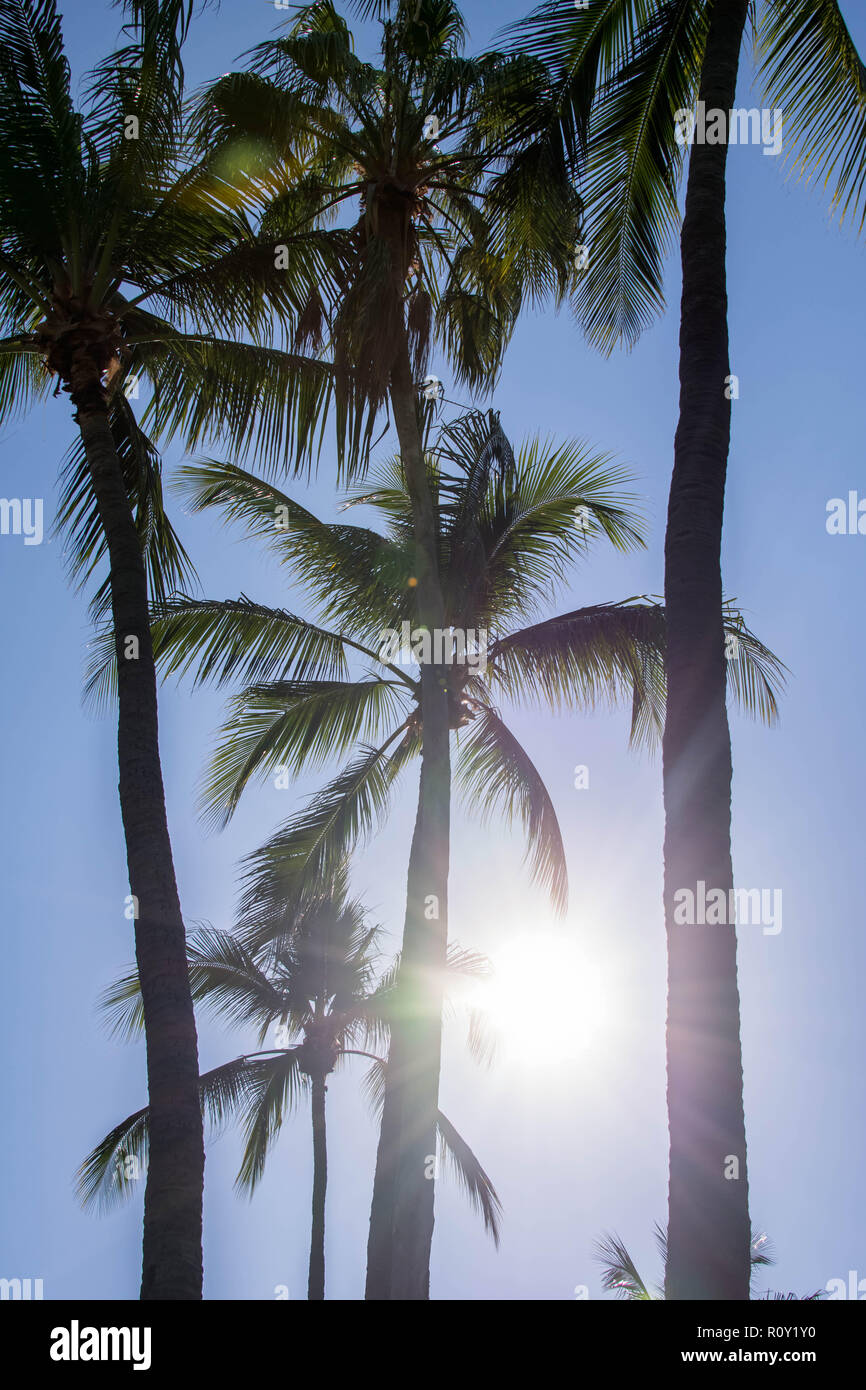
(401, 1218)
(708, 1212)
(172, 1255)
(316, 1282)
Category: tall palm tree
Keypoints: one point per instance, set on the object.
(622, 76)
(507, 535)
(121, 261)
(406, 148)
(316, 985)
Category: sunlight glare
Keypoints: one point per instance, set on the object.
(545, 1000)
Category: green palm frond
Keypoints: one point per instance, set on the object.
(122, 1006)
(23, 378)
(632, 174)
(261, 1090)
(168, 564)
(253, 399)
(617, 73)
(292, 725)
(221, 641)
(225, 976)
(351, 568)
(270, 1091)
(756, 677)
(242, 640)
(40, 155)
(110, 1171)
(592, 656)
(601, 654)
(566, 498)
(810, 69)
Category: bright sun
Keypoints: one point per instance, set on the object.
(545, 1000)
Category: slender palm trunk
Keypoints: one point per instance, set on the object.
(172, 1257)
(708, 1213)
(316, 1282)
(401, 1218)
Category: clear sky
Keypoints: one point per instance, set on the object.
(574, 1135)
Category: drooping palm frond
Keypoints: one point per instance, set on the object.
(603, 653)
(497, 776)
(471, 1176)
(252, 398)
(591, 656)
(168, 564)
(293, 725)
(262, 1090)
(453, 1149)
(756, 676)
(617, 72)
(108, 1173)
(632, 172)
(40, 154)
(23, 378)
(271, 1092)
(809, 69)
(122, 1007)
(320, 837)
(225, 976)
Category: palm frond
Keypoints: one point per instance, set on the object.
(318, 840)
(293, 725)
(496, 775)
(810, 70)
(619, 1272)
(471, 1176)
(168, 564)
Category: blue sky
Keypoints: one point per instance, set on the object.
(577, 1145)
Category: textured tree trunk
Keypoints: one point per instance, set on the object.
(316, 1283)
(172, 1256)
(401, 1218)
(708, 1211)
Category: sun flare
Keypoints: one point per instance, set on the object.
(544, 1001)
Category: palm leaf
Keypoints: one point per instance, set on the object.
(293, 725)
(316, 842)
(496, 775)
(810, 69)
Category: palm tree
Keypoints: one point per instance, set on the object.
(507, 535)
(623, 74)
(620, 1274)
(120, 262)
(315, 984)
(430, 261)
